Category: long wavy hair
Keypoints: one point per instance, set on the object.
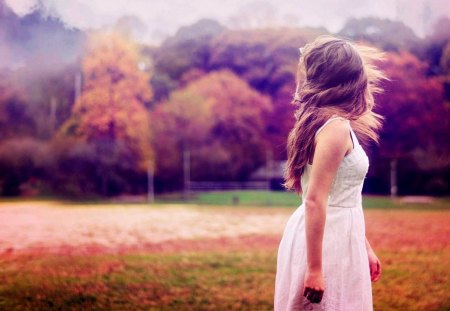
(334, 77)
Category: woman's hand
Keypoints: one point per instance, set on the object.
(314, 286)
(375, 266)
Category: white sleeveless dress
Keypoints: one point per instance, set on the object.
(345, 262)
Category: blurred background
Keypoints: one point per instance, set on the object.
(119, 99)
(142, 148)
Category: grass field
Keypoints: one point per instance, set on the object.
(58, 256)
(290, 199)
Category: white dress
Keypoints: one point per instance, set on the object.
(345, 264)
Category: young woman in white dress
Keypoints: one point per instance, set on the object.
(325, 261)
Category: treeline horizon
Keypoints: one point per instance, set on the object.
(98, 119)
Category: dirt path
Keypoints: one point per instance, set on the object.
(51, 227)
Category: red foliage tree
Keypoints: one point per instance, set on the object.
(416, 128)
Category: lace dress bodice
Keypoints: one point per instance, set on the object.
(348, 183)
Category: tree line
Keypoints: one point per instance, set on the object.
(101, 123)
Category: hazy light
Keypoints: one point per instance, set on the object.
(164, 17)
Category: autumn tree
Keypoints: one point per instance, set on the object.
(49, 93)
(189, 49)
(432, 48)
(15, 119)
(445, 69)
(23, 161)
(416, 128)
(110, 115)
(220, 119)
(267, 59)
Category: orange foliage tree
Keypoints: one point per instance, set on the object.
(220, 119)
(110, 116)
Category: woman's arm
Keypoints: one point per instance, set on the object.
(331, 146)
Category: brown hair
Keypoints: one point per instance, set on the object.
(334, 77)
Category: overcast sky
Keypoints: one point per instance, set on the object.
(163, 17)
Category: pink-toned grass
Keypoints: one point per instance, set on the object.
(175, 257)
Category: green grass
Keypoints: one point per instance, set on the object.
(198, 281)
(246, 198)
(289, 199)
(187, 281)
(258, 198)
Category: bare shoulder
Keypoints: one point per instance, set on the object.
(336, 130)
(332, 143)
(333, 139)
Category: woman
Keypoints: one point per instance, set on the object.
(324, 260)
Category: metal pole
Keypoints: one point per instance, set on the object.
(269, 168)
(150, 187)
(393, 177)
(187, 171)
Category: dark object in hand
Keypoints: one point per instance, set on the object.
(315, 296)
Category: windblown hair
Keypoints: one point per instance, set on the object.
(334, 77)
